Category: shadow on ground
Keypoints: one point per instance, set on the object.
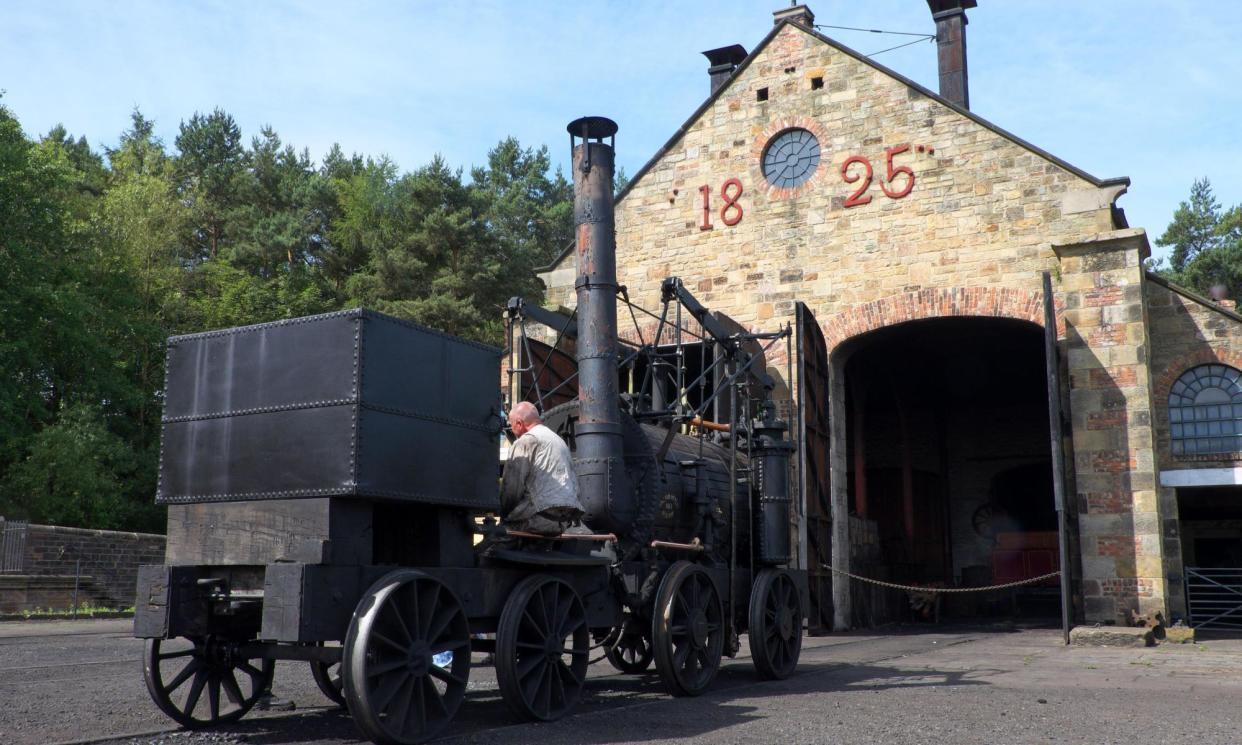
(620, 709)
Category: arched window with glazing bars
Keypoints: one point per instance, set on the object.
(1205, 411)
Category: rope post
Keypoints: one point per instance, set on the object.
(77, 576)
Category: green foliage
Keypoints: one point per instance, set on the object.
(103, 256)
(74, 474)
(1206, 244)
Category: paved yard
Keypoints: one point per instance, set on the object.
(82, 681)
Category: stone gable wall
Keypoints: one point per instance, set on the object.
(984, 210)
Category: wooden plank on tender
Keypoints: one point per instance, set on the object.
(312, 531)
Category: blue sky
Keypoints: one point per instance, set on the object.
(1142, 88)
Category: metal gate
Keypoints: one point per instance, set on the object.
(13, 545)
(814, 439)
(1214, 597)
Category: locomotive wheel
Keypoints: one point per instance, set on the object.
(632, 653)
(395, 691)
(775, 631)
(178, 679)
(687, 630)
(542, 644)
(327, 676)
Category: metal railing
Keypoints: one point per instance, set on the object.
(1215, 597)
(13, 545)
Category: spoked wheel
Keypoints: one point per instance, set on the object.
(395, 690)
(327, 676)
(632, 653)
(775, 624)
(542, 644)
(688, 630)
(186, 683)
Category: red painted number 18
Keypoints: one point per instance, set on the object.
(731, 212)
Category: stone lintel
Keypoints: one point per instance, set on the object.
(1202, 477)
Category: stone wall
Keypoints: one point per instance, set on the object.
(1188, 330)
(110, 559)
(983, 213)
(971, 237)
(1120, 518)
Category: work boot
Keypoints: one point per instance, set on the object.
(268, 702)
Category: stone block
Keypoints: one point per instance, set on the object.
(1112, 636)
(1178, 635)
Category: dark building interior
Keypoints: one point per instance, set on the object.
(948, 455)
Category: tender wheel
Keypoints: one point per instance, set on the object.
(178, 678)
(328, 677)
(542, 644)
(775, 624)
(632, 653)
(687, 631)
(395, 691)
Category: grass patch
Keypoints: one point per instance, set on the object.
(84, 611)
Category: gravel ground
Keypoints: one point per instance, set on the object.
(64, 682)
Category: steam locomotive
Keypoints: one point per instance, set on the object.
(328, 477)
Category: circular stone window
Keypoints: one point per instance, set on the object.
(791, 158)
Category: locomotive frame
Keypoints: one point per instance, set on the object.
(381, 589)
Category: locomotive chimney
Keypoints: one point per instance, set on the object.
(599, 457)
(950, 17)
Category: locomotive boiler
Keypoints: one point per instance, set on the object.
(328, 477)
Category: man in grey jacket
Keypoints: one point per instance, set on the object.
(539, 489)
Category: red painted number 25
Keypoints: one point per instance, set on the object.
(860, 196)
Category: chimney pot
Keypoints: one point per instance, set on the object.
(950, 17)
(799, 14)
(722, 62)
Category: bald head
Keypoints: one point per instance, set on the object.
(522, 417)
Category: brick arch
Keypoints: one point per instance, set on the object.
(1182, 363)
(988, 302)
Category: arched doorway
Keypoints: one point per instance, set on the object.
(949, 475)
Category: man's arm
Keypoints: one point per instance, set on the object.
(517, 470)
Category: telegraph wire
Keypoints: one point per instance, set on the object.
(921, 37)
(874, 30)
(899, 46)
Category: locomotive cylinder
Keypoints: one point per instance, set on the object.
(770, 452)
(599, 461)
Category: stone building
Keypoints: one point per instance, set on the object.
(813, 180)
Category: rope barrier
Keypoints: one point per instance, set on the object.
(919, 588)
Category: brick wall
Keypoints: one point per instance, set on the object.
(111, 559)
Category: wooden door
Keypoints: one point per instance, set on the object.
(814, 439)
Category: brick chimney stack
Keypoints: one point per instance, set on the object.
(950, 17)
(799, 14)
